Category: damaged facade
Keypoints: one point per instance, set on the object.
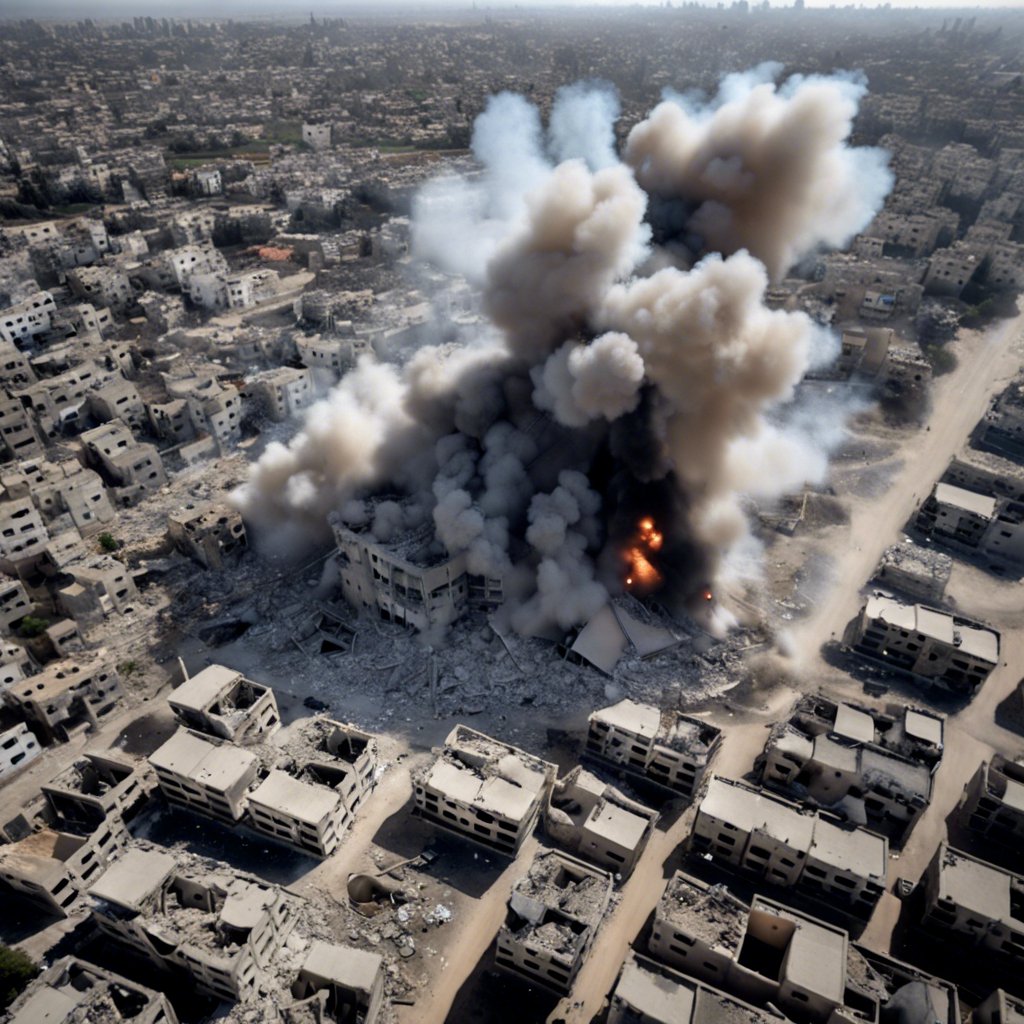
(221, 702)
(212, 534)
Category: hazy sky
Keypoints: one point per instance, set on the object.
(73, 9)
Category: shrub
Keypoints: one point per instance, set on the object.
(107, 542)
(16, 971)
(32, 626)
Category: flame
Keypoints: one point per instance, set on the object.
(641, 572)
(708, 596)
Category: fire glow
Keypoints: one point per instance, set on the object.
(641, 573)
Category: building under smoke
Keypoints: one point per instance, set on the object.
(633, 392)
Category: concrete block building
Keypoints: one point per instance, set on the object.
(483, 789)
(96, 786)
(665, 747)
(993, 803)
(999, 1008)
(916, 570)
(132, 469)
(283, 392)
(18, 748)
(976, 903)
(221, 702)
(774, 839)
(1001, 429)
(865, 765)
(221, 930)
(552, 919)
(339, 983)
(593, 820)
(73, 990)
(211, 534)
(938, 648)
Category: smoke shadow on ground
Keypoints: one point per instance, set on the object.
(460, 863)
(490, 996)
(237, 847)
(146, 734)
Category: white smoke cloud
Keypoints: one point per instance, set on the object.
(582, 125)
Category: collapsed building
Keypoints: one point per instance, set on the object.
(790, 847)
(212, 534)
(337, 983)
(976, 903)
(769, 955)
(869, 767)
(936, 647)
(483, 789)
(217, 929)
(668, 748)
(72, 990)
(588, 817)
(553, 916)
(915, 570)
(219, 701)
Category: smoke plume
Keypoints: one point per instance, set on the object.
(633, 392)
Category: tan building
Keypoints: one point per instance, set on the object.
(206, 775)
(221, 702)
(284, 392)
(553, 916)
(483, 789)
(980, 904)
(999, 1008)
(15, 603)
(789, 847)
(338, 983)
(311, 800)
(18, 748)
(865, 765)
(68, 696)
(589, 818)
(993, 802)
(73, 990)
(22, 535)
(222, 929)
(132, 468)
(917, 570)
(942, 649)
(211, 534)
(19, 434)
(665, 747)
(100, 587)
(96, 786)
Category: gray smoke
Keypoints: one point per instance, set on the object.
(601, 394)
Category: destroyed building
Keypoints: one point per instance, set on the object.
(67, 696)
(1001, 429)
(211, 534)
(337, 983)
(589, 818)
(221, 702)
(790, 847)
(96, 588)
(937, 647)
(918, 571)
(72, 990)
(94, 787)
(665, 747)
(552, 919)
(132, 469)
(483, 789)
(410, 581)
(867, 766)
(975, 523)
(770, 955)
(993, 803)
(999, 1008)
(218, 929)
(976, 903)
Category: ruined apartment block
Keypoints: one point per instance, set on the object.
(221, 929)
(409, 581)
(283, 392)
(981, 524)
(221, 702)
(1001, 429)
(100, 587)
(133, 469)
(665, 747)
(552, 919)
(993, 802)
(311, 798)
(483, 789)
(22, 536)
(595, 821)
(14, 602)
(59, 488)
(18, 748)
(986, 473)
(67, 696)
(769, 955)
(96, 786)
(978, 903)
(936, 647)
(19, 436)
(999, 1008)
(73, 990)
(211, 534)
(862, 764)
(918, 571)
(338, 983)
(647, 992)
(774, 839)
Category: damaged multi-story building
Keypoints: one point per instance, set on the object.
(222, 702)
(992, 804)
(337, 983)
(211, 534)
(1001, 429)
(863, 764)
(73, 990)
(916, 570)
(587, 817)
(133, 469)
(18, 748)
(218, 930)
(552, 919)
(483, 789)
(665, 747)
(772, 956)
(790, 847)
(936, 647)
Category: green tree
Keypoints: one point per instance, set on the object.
(16, 971)
(32, 626)
(107, 542)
